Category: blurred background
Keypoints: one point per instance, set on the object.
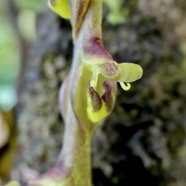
(17, 34)
(143, 142)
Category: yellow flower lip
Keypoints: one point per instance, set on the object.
(99, 106)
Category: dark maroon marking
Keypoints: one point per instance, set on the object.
(107, 96)
(95, 47)
(108, 69)
(95, 98)
(82, 11)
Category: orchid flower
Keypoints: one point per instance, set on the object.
(95, 73)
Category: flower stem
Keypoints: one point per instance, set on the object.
(75, 156)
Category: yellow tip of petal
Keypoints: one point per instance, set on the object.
(129, 72)
(99, 115)
(125, 86)
(61, 7)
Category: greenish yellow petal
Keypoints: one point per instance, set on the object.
(61, 7)
(128, 72)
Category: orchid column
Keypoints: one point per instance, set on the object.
(88, 94)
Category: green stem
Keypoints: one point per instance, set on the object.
(74, 164)
(75, 155)
(91, 23)
(76, 152)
